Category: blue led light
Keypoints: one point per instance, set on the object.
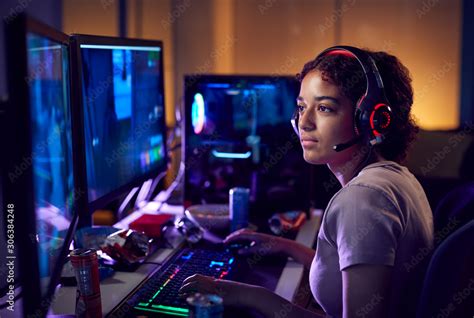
(231, 155)
(218, 85)
(187, 257)
(216, 263)
(264, 86)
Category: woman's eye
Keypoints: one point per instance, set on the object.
(300, 108)
(324, 109)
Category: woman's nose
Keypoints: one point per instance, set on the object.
(307, 121)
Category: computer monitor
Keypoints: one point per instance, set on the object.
(122, 109)
(39, 178)
(238, 133)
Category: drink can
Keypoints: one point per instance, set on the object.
(86, 267)
(205, 306)
(238, 208)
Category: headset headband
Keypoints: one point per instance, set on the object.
(373, 113)
(372, 75)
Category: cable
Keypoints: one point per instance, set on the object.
(173, 186)
(155, 183)
(126, 202)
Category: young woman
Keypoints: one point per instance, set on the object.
(353, 114)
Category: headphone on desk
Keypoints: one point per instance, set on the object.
(373, 115)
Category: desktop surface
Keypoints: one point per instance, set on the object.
(279, 274)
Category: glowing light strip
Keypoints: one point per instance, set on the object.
(163, 286)
(216, 263)
(178, 309)
(218, 85)
(163, 311)
(120, 47)
(198, 113)
(45, 48)
(231, 155)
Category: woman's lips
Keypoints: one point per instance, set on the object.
(308, 142)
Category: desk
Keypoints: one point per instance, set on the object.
(117, 287)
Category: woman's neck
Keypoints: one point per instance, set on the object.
(359, 159)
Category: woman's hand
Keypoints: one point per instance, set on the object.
(232, 293)
(262, 244)
(243, 295)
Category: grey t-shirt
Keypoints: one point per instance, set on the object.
(380, 217)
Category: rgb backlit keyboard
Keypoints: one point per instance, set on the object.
(159, 295)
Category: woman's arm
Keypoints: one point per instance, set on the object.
(366, 291)
(300, 253)
(274, 306)
(265, 244)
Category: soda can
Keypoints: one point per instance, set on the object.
(86, 267)
(205, 306)
(238, 208)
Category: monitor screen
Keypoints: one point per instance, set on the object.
(237, 108)
(123, 110)
(40, 185)
(53, 179)
(237, 133)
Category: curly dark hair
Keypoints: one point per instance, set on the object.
(346, 72)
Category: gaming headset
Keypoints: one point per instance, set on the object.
(373, 115)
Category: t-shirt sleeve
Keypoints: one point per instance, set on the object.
(364, 225)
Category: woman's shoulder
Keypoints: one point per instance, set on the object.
(383, 186)
(362, 195)
(377, 179)
(382, 172)
(388, 178)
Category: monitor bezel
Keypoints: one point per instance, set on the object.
(19, 145)
(76, 41)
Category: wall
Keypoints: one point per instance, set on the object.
(98, 17)
(150, 19)
(427, 39)
(278, 36)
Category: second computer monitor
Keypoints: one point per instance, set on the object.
(123, 113)
(238, 134)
